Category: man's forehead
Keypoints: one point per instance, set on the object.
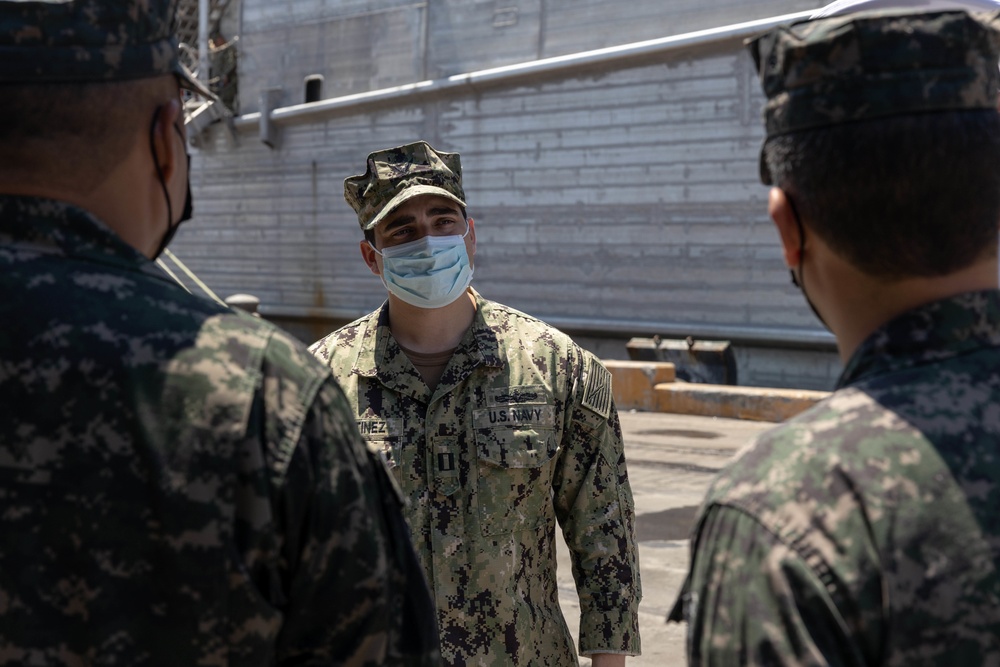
(430, 204)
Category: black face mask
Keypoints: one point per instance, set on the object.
(800, 280)
(188, 206)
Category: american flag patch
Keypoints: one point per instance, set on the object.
(597, 390)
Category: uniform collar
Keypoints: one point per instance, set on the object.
(381, 357)
(930, 333)
(58, 228)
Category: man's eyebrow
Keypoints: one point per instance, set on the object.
(398, 222)
(445, 210)
(401, 220)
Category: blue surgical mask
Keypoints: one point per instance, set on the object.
(430, 272)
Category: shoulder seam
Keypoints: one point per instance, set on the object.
(793, 540)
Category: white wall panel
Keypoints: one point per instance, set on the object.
(627, 194)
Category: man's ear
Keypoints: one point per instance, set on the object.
(780, 209)
(164, 140)
(368, 254)
(472, 236)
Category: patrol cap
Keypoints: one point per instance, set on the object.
(870, 65)
(395, 175)
(77, 41)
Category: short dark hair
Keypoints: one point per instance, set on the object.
(902, 196)
(74, 131)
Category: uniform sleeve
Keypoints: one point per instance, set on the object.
(594, 506)
(752, 600)
(355, 592)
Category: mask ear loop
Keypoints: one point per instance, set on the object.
(159, 172)
(188, 211)
(802, 244)
(800, 280)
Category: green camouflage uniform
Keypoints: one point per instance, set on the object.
(520, 432)
(865, 531)
(180, 484)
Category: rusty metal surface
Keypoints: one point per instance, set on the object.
(614, 195)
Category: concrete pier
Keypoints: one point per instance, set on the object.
(671, 461)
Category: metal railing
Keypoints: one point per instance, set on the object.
(565, 66)
(561, 66)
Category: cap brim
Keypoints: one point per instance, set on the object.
(406, 195)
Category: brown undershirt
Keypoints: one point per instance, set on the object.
(430, 366)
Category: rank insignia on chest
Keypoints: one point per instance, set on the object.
(445, 461)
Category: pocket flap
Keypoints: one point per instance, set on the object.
(515, 447)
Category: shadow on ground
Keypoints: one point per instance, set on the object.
(672, 524)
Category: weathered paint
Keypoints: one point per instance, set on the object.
(618, 194)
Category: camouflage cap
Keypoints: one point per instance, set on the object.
(395, 175)
(76, 41)
(875, 64)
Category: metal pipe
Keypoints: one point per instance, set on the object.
(568, 65)
(203, 66)
(813, 339)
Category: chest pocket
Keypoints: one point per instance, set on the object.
(515, 472)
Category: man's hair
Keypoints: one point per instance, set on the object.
(74, 133)
(903, 196)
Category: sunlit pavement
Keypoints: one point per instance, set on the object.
(671, 461)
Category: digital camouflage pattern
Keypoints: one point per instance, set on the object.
(875, 64)
(520, 432)
(865, 531)
(395, 175)
(62, 41)
(180, 484)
